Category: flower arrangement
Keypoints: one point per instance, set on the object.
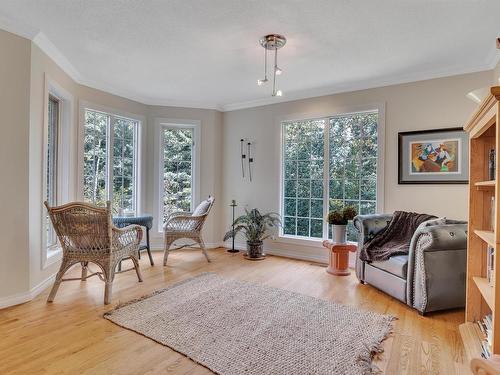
(341, 216)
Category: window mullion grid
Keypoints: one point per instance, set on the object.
(297, 191)
(326, 174)
(193, 156)
(162, 174)
(134, 182)
(94, 161)
(110, 149)
(360, 161)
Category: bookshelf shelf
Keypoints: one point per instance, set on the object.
(486, 290)
(487, 236)
(484, 212)
(486, 184)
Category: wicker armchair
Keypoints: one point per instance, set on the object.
(187, 225)
(86, 234)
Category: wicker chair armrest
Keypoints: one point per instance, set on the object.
(131, 234)
(184, 223)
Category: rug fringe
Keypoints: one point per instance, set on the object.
(375, 348)
(156, 292)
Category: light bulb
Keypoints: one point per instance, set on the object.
(279, 93)
(259, 82)
(278, 71)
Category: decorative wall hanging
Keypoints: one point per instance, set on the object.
(243, 157)
(246, 157)
(250, 161)
(439, 156)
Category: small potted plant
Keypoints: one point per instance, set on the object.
(338, 219)
(256, 228)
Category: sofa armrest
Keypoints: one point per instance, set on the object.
(437, 260)
(368, 226)
(441, 237)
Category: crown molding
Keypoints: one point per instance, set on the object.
(355, 86)
(17, 27)
(44, 43)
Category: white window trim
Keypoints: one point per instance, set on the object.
(140, 183)
(53, 254)
(160, 124)
(380, 107)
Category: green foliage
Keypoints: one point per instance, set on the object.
(341, 216)
(177, 172)
(254, 225)
(122, 159)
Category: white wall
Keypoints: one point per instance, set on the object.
(437, 103)
(496, 74)
(14, 143)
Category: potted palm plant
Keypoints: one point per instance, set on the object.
(256, 228)
(338, 219)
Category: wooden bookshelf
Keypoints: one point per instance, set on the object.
(487, 236)
(484, 228)
(486, 290)
(491, 183)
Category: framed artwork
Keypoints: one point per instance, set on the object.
(438, 156)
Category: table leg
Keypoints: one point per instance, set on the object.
(149, 247)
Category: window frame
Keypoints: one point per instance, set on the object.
(53, 253)
(139, 184)
(165, 123)
(377, 107)
(55, 164)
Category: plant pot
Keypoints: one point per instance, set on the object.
(255, 250)
(339, 233)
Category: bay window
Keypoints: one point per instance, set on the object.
(110, 160)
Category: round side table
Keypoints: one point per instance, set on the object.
(339, 257)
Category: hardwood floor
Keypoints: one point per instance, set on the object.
(69, 336)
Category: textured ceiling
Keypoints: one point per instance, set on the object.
(206, 53)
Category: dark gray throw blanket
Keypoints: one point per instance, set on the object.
(395, 238)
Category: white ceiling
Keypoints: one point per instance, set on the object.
(206, 53)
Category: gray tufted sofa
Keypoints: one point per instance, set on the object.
(432, 276)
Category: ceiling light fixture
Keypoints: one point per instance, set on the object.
(272, 42)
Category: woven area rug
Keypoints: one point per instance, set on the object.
(237, 327)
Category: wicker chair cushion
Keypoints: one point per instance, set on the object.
(202, 208)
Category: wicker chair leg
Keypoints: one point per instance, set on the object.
(85, 268)
(54, 289)
(137, 269)
(62, 270)
(109, 277)
(168, 243)
(202, 246)
(108, 290)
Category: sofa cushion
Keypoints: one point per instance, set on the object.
(397, 265)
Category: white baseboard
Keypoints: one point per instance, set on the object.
(312, 255)
(158, 245)
(19, 298)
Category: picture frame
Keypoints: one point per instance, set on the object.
(437, 156)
